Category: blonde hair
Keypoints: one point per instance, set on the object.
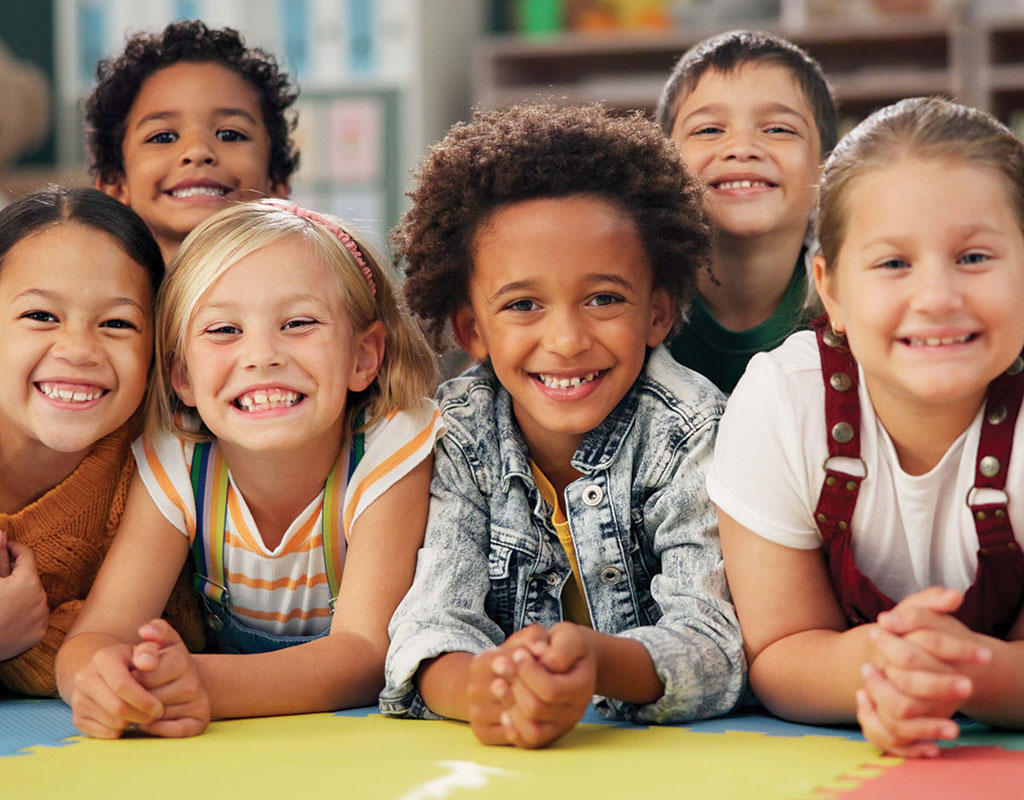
(919, 127)
(408, 371)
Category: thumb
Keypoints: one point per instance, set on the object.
(161, 633)
(5, 556)
(24, 558)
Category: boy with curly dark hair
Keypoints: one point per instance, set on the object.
(571, 552)
(753, 116)
(187, 120)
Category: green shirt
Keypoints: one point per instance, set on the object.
(720, 354)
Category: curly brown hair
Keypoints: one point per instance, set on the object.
(121, 78)
(535, 151)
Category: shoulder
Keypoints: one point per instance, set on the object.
(469, 403)
(670, 392)
(793, 368)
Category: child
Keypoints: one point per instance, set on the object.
(186, 122)
(831, 521)
(285, 335)
(77, 276)
(568, 494)
(752, 115)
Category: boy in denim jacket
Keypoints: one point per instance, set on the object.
(571, 551)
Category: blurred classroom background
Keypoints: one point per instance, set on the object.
(381, 80)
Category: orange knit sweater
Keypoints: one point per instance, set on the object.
(69, 530)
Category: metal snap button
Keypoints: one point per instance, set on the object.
(610, 575)
(833, 339)
(989, 466)
(552, 580)
(593, 494)
(840, 381)
(996, 415)
(842, 432)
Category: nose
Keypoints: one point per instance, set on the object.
(741, 145)
(77, 347)
(197, 148)
(566, 334)
(261, 350)
(936, 288)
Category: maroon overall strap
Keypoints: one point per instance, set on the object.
(992, 602)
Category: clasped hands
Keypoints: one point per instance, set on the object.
(915, 677)
(534, 687)
(154, 685)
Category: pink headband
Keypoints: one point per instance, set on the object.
(336, 229)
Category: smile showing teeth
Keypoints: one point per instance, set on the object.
(565, 383)
(934, 341)
(742, 185)
(264, 399)
(65, 395)
(193, 191)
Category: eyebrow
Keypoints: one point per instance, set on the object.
(595, 277)
(283, 301)
(160, 116)
(772, 107)
(56, 297)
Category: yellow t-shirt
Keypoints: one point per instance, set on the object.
(574, 604)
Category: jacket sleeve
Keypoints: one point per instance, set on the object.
(696, 645)
(444, 609)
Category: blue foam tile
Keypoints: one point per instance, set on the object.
(31, 721)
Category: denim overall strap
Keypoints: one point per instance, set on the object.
(994, 599)
(209, 476)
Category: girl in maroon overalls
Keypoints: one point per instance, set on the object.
(864, 471)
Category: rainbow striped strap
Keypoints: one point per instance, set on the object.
(210, 490)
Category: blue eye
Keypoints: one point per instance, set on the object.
(299, 323)
(780, 129)
(223, 330)
(120, 324)
(973, 258)
(895, 263)
(706, 129)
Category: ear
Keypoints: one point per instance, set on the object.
(181, 384)
(467, 332)
(118, 188)
(824, 282)
(662, 317)
(280, 190)
(368, 352)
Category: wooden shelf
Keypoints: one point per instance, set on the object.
(868, 66)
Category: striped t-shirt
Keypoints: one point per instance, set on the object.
(285, 591)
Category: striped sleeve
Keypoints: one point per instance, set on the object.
(395, 445)
(163, 462)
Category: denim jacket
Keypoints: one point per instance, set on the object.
(644, 529)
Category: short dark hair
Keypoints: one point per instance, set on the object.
(120, 79)
(732, 49)
(53, 205)
(528, 152)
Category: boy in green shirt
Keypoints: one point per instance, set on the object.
(753, 117)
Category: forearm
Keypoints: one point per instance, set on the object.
(443, 685)
(625, 670)
(812, 676)
(998, 687)
(341, 670)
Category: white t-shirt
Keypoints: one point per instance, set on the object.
(285, 590)
(909, 531)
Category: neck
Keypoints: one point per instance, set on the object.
(279, 485)
(553, 457)
(29, 471)
(753, 275)
(923, 434)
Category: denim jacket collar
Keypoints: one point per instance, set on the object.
(596, 452)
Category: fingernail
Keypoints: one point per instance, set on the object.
(865, 670)
(502, 666)
(950, 731)
(963, 686)
(983, 655)
(520, 656)
(506, 719)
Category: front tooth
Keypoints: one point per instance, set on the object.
(80, 397)
(66, 394)
(932, 341)
(259, 398)
(575, 382)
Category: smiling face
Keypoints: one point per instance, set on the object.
(76, 342)
(928, 282)
(270, 355)
(561, 302)
(750, 135)
(194, 141)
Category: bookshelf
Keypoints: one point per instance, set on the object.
(869, 64)
(380, 81)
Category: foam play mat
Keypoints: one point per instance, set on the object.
(361, 754)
